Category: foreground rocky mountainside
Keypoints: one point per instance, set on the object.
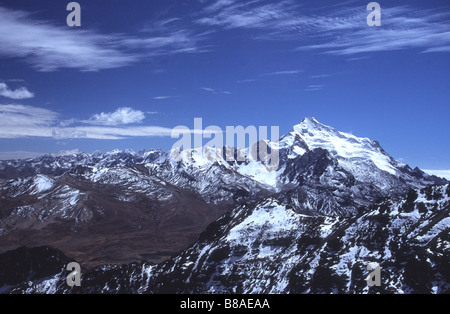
(268, 247)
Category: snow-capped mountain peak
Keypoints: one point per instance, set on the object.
(347, 148)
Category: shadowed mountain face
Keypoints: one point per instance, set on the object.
(268, 247)
(30, 265)
(123, 207)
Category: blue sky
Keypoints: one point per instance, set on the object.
(136, 69)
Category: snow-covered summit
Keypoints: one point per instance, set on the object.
(348, 148)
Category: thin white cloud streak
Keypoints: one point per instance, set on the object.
(220, 4)
(246, 81)
(290, 72)
(319, 76)
(20, 121)
(164, 97)
(250, 14)
(402, 28)
(22, 115)
(207, 89)
(19, 155)
(111, 133)
(47, 47)
(67, 152)
(20, 93)
(278, 73)
(439, 173)
(312, 88)
(215, 91)
(16, 80)
(117, 133)
(357, 59)
(179, 39)
(327, 75)
(437, 49)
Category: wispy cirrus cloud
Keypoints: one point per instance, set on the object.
(23, 115)
(215, 91)
(326, 75)
(20, 93)
(47, 47)
(313, 88)
(258, 14)
(269, 74)
(246, 81)
(340, 30)
(25, 121)
(171, 41)
(110, 133)
(345, 33)
(164, 97)
(15, 80)
(319, 76)
(289, 72)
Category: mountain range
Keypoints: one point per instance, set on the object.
(147, 222)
